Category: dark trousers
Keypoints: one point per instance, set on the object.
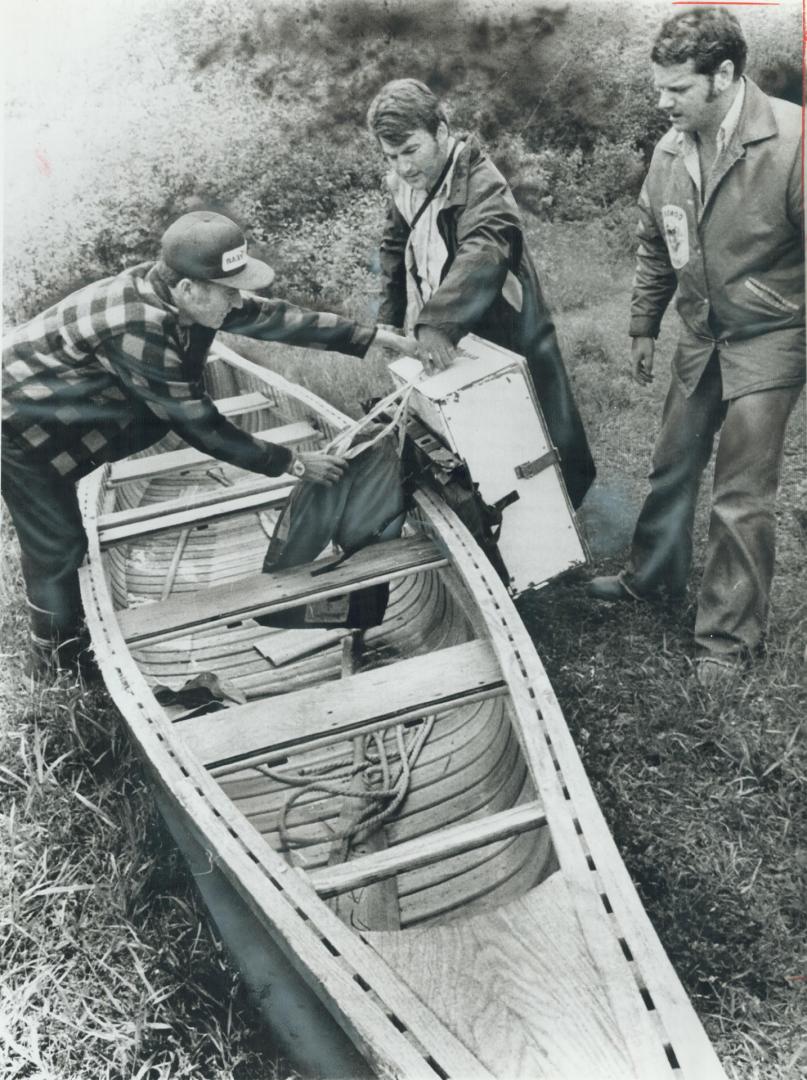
(733, 602)
(44, 509)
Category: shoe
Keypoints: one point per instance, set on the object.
(610, 588)
(713, 673)
(48, 662)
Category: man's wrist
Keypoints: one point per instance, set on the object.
(297, 467)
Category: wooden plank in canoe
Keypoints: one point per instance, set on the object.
(196, 500)
(122, 472)
(260, 593)
(284, 645)
(426, 850)
(190, 511)
(332, 711)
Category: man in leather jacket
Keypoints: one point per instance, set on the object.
(454, 259)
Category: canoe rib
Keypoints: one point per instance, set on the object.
(262, 593)
(332, 711)
(413, 854)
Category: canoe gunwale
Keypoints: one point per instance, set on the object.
(333, 960)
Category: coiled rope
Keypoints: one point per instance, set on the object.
(383, 795)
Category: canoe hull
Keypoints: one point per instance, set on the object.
(298, 1026)
(493, 900)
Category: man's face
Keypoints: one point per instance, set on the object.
(206, 303)
(420, 158)
(693, 102)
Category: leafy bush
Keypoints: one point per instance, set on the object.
(258, 110)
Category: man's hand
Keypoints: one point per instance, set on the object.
(435, 350)
(641, 352)
(400, 344)
(321, 468)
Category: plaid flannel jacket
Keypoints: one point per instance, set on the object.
(110, 370)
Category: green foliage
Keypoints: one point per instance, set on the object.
(264, 120)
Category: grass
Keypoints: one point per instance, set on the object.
(109, 968)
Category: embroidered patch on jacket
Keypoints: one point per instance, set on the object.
(676, 233)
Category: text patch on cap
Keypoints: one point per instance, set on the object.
(235, 259)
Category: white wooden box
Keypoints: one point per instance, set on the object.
(483, 408)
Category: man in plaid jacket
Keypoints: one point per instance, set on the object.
(115, 366)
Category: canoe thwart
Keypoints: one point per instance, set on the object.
(200, 509)
(258, 594)
(331, 711)
(424, 850)
(121, 472)
(242, 404)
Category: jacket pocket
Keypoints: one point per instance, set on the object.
(771, 297)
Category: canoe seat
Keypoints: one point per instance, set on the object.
(270, 729)
(261, 593)
(192, 510)
(121, 472)
(435, 847)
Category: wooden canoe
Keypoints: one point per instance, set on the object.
(488, 928)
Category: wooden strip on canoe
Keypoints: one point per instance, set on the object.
(122, 472)
(332, 711)
(241, 404)
(212, 506)
(175, 504)
(427, 849)
(259, 593)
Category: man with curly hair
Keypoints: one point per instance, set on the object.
(720, 224)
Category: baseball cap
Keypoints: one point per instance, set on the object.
(210, 247)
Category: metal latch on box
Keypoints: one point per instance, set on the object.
(532, 468)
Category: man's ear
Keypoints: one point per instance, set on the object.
(724, 76)
(442, 133)
(182, 291)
